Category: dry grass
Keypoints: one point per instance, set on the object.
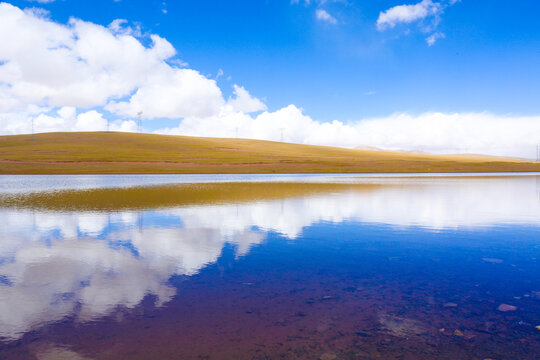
(122, 153)
(164, 196)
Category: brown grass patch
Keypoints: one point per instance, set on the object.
(128, 153)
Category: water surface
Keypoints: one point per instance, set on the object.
(412, 268)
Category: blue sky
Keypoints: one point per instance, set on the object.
(331, 60)
(488, 61)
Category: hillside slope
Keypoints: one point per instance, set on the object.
(117, 153)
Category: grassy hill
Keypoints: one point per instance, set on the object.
(117, 153)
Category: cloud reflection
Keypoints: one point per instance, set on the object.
(88, 264)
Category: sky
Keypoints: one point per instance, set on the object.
(441, 76)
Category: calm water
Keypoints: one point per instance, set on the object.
(416, 268)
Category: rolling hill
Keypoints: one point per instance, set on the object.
(122, 153)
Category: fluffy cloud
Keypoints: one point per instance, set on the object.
(85, 65)
(323, 15)
(174, 93)
(407, 14)
(80, 64)
(244, 102)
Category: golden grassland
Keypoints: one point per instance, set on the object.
(129, 153)
(166, 196)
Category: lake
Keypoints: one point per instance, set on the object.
(270, 267)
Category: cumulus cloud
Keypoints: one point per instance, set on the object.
(86, 65)
(244, 102)
(173, 94)
(323, 15)
(80, 64)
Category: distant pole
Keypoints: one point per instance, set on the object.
(107, 125)
(139, 124)
(32, 128)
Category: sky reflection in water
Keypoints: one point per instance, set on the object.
(417, 267)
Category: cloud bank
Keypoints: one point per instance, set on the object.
(440, 133)
(82, 76)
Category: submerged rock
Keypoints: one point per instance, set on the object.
(538, 328)
(506, 307)
(402, 327)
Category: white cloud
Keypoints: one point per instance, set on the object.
(244, 102)
(407, 14)
(80, 64)
(86, 65)
(65, 119)
(433, 38)
(421, 13)
(432, 132)
(219, 74)
(173, 94)
(120, 26)
(90, 121)
(323, 15)
(125, 126)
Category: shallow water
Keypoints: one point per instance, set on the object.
(416, 268)
(32, 183)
